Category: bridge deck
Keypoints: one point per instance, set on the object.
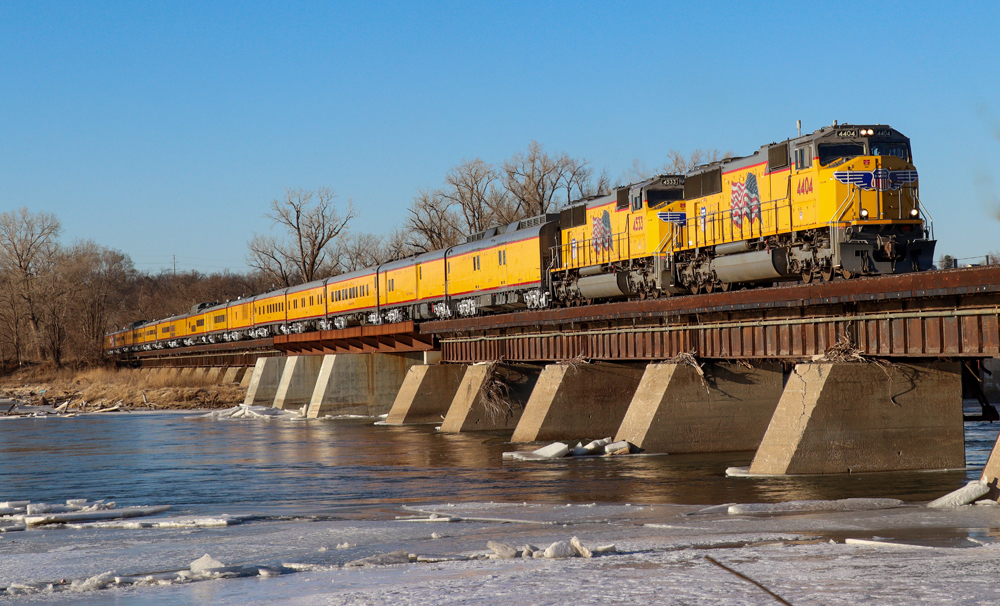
(932, 314)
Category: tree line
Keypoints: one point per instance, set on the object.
(57, 301)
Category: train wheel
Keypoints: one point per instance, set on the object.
(709, 287)
(694, 289)
(642, 294)
(807, 277)
(847, 274)
(725, 286)
(827, 275)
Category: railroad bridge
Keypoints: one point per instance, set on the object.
(844, 376)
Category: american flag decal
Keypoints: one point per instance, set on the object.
(744, 203)
(601, 233)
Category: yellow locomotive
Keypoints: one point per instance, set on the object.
(840, 201)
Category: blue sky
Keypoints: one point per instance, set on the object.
(165, 129)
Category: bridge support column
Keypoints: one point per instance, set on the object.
(426, 393)
(677, 410)
(490, 397)
(364, 384)
(233, 374)
(297, 382)
(577, 401)
(991, 381)
(214, 374)
(851, 417)
(263, 383)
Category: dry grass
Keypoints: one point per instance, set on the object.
(495, 394)
(104, 387)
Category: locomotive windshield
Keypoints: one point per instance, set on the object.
(891, 148)
(831, 152)
(658, 197)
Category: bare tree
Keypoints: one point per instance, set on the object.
(431, 222)
(533, 177)
(311, 222)
(677, 164)
(362, 250)
(27, 240)
(472, 188)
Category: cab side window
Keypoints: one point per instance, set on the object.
(803, 157)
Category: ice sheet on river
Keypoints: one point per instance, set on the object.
(244, 411)
(805, 559)
(17, 515)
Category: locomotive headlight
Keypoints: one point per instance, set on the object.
(864, 213)
(868, 132)
(914, 212)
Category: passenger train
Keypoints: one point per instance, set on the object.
(836, 203)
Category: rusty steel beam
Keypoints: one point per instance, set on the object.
(383, 338)
(923, 334)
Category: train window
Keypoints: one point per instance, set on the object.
(885, 148)
(803, 158)
(295, 303)
(831, 152)
(658, 197)
(505, 257)
(311, 300)
(499, 257)
(420, 272)
(303, 301)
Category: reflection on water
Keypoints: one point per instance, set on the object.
(202, 465)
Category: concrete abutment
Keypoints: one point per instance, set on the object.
(722, 407)
(426, 394)
(491, 396)
(262, 384)
(851, 417)
(578, 401)
(364, 384)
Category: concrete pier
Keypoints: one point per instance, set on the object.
(426, 394)
(263, 383)
(233, 374)
(297, 382)
(851, 417)
(724, 408)
(578, 401)
(364, 384)
(474, 409)
(991, 379)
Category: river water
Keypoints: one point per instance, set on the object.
(198, 465)
(313, 487)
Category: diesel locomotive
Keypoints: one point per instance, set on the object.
(836, 203)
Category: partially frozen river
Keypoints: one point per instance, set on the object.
(314, 495)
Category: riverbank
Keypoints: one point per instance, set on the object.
(99, 388)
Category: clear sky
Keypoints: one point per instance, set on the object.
(166, 128)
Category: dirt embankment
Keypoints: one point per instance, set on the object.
(101, 388)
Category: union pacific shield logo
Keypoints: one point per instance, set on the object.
(879, 179)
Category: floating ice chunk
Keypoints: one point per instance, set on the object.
(502, 550)
(14, 504)
(580, 549)
(383, 559)
(817, 505)
(871, 542)
(105, 514)
(621, 447)
(12, 527)
(552, 451)
(80, 502)
(345, 546)
(963, 496)
(205, 562)
(560, 549)
(93, 583)
(724, 508)
(610, 548)
(738, 472)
